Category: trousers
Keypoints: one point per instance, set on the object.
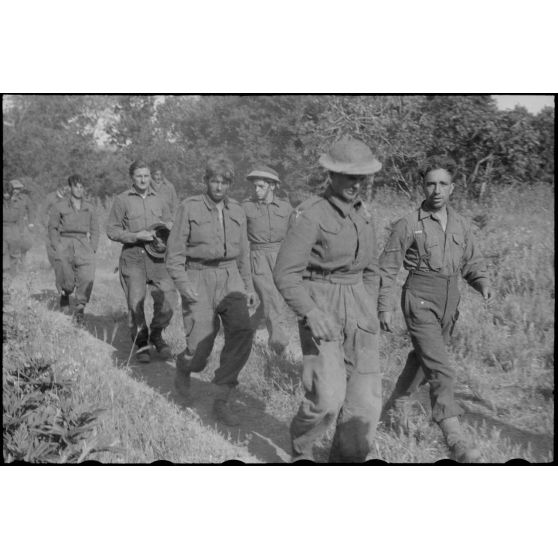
(137, 270)
(341, 378)
(271, 302)
(74, 268)
(430, 306)
(221, 299)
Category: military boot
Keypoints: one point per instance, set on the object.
(222, 407)
(65, 303)
(463, 451)
(79, 315)
(142, 354)
(182, 377)
(156, 339)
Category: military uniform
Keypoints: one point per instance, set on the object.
(430, 297)
(74, 238)
(267, 225)
(168, 192)
(17, 213)
(50, 201)
(210, 253)
(131, 213)
(329, 260)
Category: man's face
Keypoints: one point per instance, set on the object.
(77, 190)
(437, 188)
(347, 187)
(217, 187)
(263, 189)
(157, 176)
(141, 179)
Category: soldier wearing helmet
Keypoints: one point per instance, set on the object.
(267, 218)
(327, 271)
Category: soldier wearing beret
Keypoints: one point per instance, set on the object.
(267, 218)
(132, 220)
(208, 259)
(73, 231)
(436, 245)
(327, 271)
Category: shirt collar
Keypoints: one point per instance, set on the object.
(133, 191)
(211, 204)
(343, 207)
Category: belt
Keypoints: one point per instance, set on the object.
(210, 264)
(73, 234)
(336, 277)
(265, 246)
(431, 274)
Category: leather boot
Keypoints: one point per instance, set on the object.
(182, 376)
(79, 315)
(142, 353)
(463, 450)
(65, 303)
(222, 407)
(156, 339)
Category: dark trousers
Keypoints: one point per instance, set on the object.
(221, 298)
(429, 302)
(137, 270)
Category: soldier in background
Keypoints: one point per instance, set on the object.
(267, 219)
(18, 218)
(51, 200)
(73, 230)
(132, 221)
(327, 271)
(436, 245)
(163, 187)
(208, 259)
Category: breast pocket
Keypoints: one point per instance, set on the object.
(279, 222)
(201, 230)
(234, 230)
(136, 220)
(434, 254)
(458, 248)
(330, 238)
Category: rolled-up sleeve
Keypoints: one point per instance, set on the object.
(292, 261)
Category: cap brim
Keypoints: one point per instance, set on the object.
(262, 174)
(369, 167)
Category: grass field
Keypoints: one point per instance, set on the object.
(504, 356)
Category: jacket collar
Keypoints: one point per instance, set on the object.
(343, 207)
(211, 204)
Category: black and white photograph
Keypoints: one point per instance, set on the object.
(278, 279)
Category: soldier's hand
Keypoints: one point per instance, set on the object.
(189, 293)
(252, 300)
(144, 235)
(386, 318)
(321, 325)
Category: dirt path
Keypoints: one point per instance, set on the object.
(265, 437)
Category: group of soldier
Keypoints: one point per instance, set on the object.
(236, 264)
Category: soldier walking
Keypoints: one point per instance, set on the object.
(267, 219)
(73, 231)
(135, 216)
(435, 244)
(208, 259)
(17, 221)
(327, 271)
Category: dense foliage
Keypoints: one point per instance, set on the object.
(47, 137)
